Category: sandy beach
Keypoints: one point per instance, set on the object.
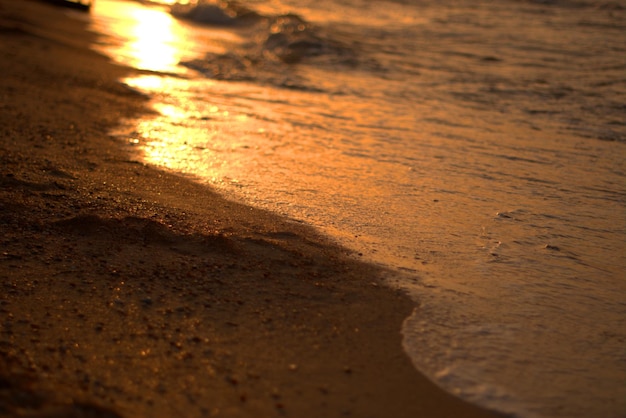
(128, 291)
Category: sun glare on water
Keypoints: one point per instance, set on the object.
(152, 36)
(152, 46)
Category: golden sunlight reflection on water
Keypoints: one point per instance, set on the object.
(153, 36)
(217, 140)
(150, 38)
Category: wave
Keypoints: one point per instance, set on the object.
(272, 42)
(224, 13)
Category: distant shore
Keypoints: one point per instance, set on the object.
(132, 292)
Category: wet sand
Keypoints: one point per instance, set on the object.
(128, 291)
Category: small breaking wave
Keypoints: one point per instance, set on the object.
(271, 43)
(222, 13)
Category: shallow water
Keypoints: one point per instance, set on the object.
(475, 147)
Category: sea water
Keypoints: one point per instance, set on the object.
(477, 148)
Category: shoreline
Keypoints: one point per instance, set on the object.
(129, 291)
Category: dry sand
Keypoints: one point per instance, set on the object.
(127, 291)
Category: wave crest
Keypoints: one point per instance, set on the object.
(224, 13)
(271, 42)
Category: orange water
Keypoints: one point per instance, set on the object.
(477, 148)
